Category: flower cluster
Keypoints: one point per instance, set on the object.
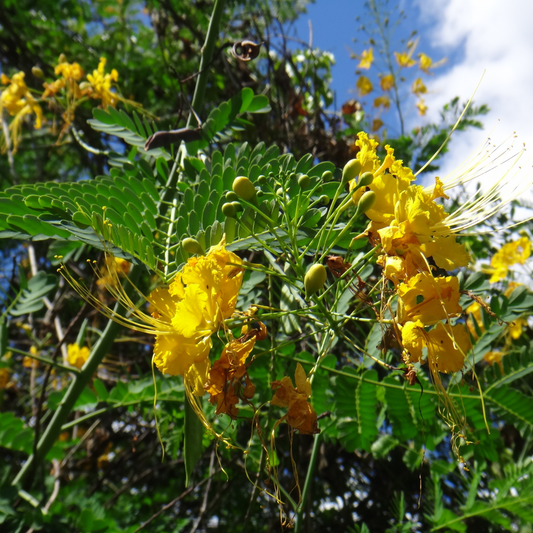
(415, 241)
(17, 100)
(391, 80)
(67, 90)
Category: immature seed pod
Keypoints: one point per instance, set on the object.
(192, 246)
(366, 179)
(314, 279)
(228, 210)
(231, 196)
(327, 176)
(303, 181)
(350, 171)
(244, 188)
(366, 202)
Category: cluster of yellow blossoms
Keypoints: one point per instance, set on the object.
(389, 81)
(18, 101)
(410, 227)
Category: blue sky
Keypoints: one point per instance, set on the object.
(488, 39)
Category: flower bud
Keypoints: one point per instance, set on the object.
(238, 207)
(244, 188)
(314, 279)
(228, 210)
(231, 196)
(366, 179)
(304, 181)
(350, 171)
(37, 72)
(192, 246)
(366, 202)
(327, 176)
(262, 179)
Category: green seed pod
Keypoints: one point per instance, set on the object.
(303, 181)
(38, 73)
(324, 200)
(366, 201)
(314, 279)
(228, 210)
(366, 179)
(350, 171)
(231, 196)
(327, 176)
(192, 246)
(262, 179)
(244, 188)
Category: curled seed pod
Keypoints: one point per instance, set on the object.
(304, 181)
(192, 246)
(366, 202)
(327, 176)
(350, 171)
(244, 188)
(228, 210)
(245, 50)
(231, 196)
(366, 179)
(314, 279)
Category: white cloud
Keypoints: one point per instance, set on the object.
(482, 35)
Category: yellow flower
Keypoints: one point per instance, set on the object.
(418, 87)
(17, 100)
(301, 415)
(512, 253)
(382, 101)
(367, 58)
(516, 327)
(446, 345)
(495, 357)
(184, 316)
(377, 123)
(4, 377)
(100, 85)
(422, 107)
(405, 218)
(70, 74)
(386, 82)
(428, 299)
(425, 62)
(364, 85)
(77, 356)
(404, 59)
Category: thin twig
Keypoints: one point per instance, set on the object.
(174, 501)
